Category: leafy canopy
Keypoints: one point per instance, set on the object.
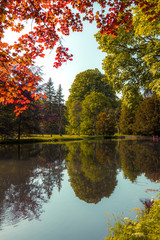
(90, 94)
(51, 20)
(133, 54)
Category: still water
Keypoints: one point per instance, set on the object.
(56, 192)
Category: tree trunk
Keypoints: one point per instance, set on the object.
(19, 128)
(95, 130)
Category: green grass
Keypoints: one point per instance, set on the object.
(56, 138)
(48, 138)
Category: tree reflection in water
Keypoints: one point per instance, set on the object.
(92, 168)
(139, 157)
(28, 175)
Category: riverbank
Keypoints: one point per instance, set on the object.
(48, 138)
(145, 226)
(64, 138)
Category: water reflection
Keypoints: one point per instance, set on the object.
(92, 168)
(28, 175)
(139, 157)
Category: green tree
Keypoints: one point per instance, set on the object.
(131, 96)
(74, 117)
(126, 119)
(131, 99)
(147, 118)
(89, 86)
(60, 109)
(89, 81)
(7, 121)
(147, 28)
(51, 94)
(92, 105)
(28, 122)
(128, 59)
(49, 108)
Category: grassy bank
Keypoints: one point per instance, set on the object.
(48, 138)
(146, 226)
(56, 138)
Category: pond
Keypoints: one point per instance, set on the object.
(65, 191)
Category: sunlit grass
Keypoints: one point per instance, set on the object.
(48, 138)
(57, 138)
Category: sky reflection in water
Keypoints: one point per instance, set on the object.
(64, 191)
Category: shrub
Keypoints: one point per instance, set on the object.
(146, 226)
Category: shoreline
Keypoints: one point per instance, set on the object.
(66, 138)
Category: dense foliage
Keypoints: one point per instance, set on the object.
(53, 19)
(45, 116)
(133, 56)
(90, 94)
(106, 123)
(129, 34)
(147, 118)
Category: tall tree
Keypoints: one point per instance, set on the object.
(60, 108)
(49, 108)
(131, 98)
(133, 55)
(89, 81)
(94, 84)
(124, 62)
(126, 119)
(92, 105)
(74, 117)
(147, 118)
(51, 95)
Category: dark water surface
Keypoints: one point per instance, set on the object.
(57, 192)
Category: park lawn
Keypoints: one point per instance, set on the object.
(49, 138)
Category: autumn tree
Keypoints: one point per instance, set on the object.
(27, 121)
(106, 123)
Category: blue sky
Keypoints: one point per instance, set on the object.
(86, 55)
(85, 52)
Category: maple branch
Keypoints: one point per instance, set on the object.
(38, 13)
